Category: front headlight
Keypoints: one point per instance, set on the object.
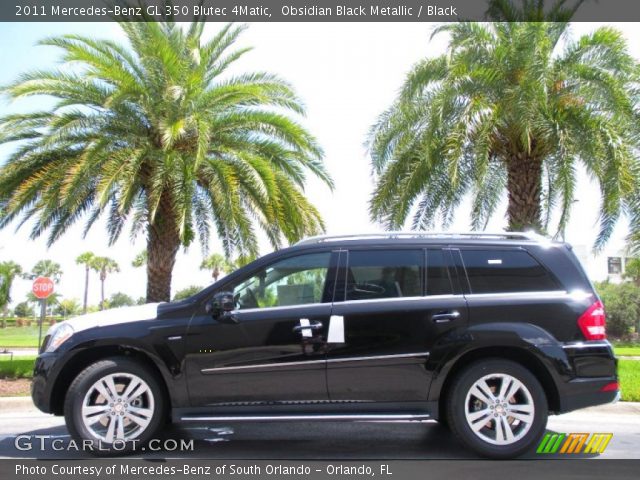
(59, 336)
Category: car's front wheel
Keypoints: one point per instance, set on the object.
(497, 408)
(115, 405)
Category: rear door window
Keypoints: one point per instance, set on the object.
(505, 271)
(375, 274)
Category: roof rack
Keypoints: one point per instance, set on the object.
(418, 234)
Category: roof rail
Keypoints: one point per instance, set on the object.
(421, 234)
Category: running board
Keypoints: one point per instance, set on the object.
(305, 417)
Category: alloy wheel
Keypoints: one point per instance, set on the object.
(118, 406)
(499, 409)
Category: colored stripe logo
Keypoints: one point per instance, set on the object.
(573, 443)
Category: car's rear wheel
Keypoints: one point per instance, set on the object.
(497, 408)
(116, 404)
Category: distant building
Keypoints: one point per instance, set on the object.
(606, 265)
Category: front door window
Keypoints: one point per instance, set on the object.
(296, 280)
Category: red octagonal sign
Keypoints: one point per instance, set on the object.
(42, 287)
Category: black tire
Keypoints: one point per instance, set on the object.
(479, 442)
(73, 406)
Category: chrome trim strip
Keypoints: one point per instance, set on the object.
(397, 299)
(280, 307)
(263, 365)
(377, 357)
(544, 294)
(315, 362)
(586, 345)
(329, 417)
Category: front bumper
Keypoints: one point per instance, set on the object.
(44, 376)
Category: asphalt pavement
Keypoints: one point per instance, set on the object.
(303, 440)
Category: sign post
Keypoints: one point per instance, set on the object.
(42, 288)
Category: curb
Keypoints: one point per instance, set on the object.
(620, 408)
(13, 404)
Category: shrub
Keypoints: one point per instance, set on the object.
(186, 292)
(19, 367)
(24, 309)
(622, 304)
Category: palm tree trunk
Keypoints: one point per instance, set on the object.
(101, 292)
(163, 243)
(524, 185)
(86, 288)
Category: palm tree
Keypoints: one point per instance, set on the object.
(68, 307)
(8, 272)
(509, 108)
(217, 264)
(158, 134)
(46, 268)
(104, 266)
(85, 259)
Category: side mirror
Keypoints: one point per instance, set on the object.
(221, 306)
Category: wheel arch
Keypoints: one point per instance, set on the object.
(84, 358)
(516, 354)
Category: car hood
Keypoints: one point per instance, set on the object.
(113, 316)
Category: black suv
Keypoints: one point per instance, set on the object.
(486, 333)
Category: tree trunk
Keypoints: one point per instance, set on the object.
(163, 242)
(86, 288)
(524, 185)
(101, 293)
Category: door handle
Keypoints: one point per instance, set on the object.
(444, 317)
(311, 326)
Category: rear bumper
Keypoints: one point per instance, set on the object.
(582, 393)
(594, 367)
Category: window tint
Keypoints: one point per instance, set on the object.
(384, 274)
(438, 281)
(294, 281)
(505, 271)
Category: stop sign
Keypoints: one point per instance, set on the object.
(42, 287)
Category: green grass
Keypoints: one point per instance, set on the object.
(627, 351)
(19, 367)
(21, 336)
(629, 373)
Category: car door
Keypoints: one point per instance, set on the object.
(392, 311)
(275, 351)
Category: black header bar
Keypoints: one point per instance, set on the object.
(293, 10)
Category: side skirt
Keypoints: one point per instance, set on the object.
(365, 417)
(354, 411)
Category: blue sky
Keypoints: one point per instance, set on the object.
(345, 73)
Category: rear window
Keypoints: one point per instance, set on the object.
(505, 271)
(384, 274)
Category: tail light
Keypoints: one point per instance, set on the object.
(592, 322)
(610, 387)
